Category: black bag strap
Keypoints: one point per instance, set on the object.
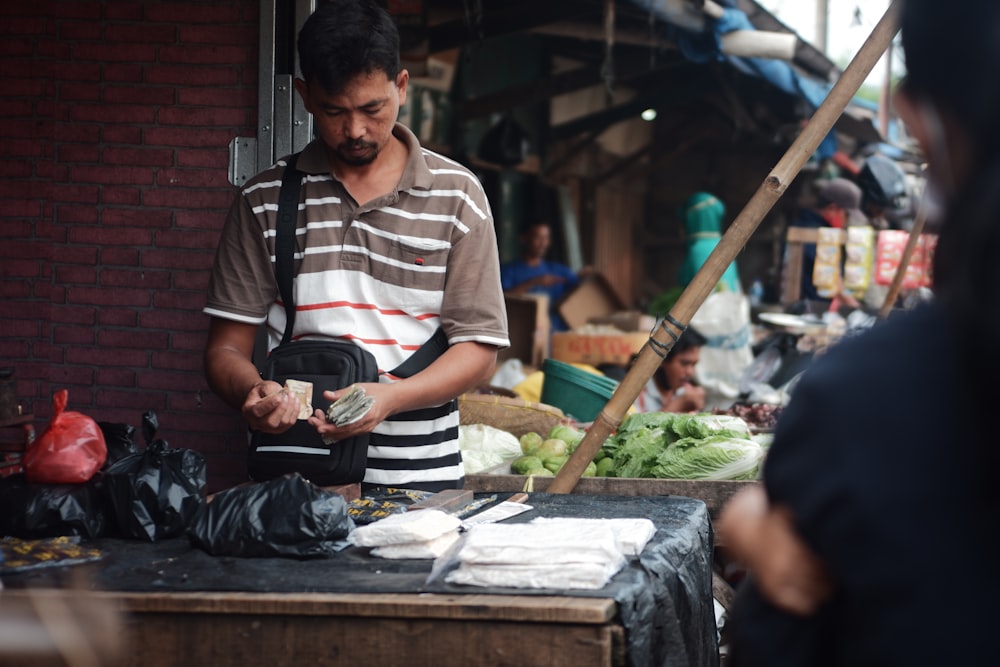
(284, 240)
(284, 253)
(432, 348)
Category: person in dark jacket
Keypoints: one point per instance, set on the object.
(868, 542)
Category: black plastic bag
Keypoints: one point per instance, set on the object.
(285, 516)
(506, 143)
(155, 494)
(120, 439)
(50, 510)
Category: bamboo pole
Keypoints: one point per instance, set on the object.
(673, 325)
(904, 260)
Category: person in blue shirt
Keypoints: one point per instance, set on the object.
(534, 274)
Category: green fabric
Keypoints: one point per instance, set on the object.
(702, 215)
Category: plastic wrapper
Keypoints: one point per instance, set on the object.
(554, 554)
(286, 516)
(631, 535)
(18, 555)
(432, 548)
(69, 451)
(826, 269)
(859, 257)
(417, 526)
(484, 447)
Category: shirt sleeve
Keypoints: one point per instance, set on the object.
(242, 285)
(473, 305)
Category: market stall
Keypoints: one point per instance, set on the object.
(184, 606)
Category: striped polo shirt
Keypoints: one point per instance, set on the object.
(384, 274)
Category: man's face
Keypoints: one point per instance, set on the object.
(679, 369)
(537, 241)
(356, 123)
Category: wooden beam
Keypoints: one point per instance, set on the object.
(498, 18)
(559, 84)
(680, 88)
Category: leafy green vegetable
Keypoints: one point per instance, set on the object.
(571, 436)
(530, 442)
(716, 457)
(636, 451)
(552, 448)
(523, 465)
(606, 467)
(555, 463)
(643, 438)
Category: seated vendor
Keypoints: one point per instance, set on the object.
(672, 387)
(534, 274)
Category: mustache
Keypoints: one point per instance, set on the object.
(358, 143)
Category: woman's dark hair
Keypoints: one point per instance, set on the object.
(687, 340)
(691, 338)
(344, 38)
(953, 68)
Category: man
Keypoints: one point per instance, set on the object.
(393, 241)
(533, 274)
(838, 202)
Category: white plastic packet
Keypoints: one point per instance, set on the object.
(554, 542)
(427, 549)
(630, 534)
(418, 526)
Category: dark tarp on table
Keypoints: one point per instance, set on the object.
(664, 596)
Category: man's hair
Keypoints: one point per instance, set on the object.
(530, 225)
(345, 38)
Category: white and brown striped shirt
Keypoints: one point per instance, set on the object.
(384, 274)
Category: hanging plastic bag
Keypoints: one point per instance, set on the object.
(724, 319)
(69, 451)
(285, 516)
(505, 143)
(155, 494)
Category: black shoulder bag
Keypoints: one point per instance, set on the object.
(327, 364)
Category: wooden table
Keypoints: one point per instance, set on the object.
(220, 628)
(195, 609)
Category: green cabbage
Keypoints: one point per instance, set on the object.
(656, 444)
(571, 436)
(717, 457)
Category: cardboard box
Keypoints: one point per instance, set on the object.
(528, 327)
(596, 349)
(593, 297)
(627, 320)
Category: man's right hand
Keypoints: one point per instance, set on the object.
(763, 538)
(270, 408)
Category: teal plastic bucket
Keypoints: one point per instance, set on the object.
(579, 394)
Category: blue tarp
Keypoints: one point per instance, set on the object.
(707, 47)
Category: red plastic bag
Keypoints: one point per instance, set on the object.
(70, 450)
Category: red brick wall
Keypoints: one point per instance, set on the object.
(115, 120)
